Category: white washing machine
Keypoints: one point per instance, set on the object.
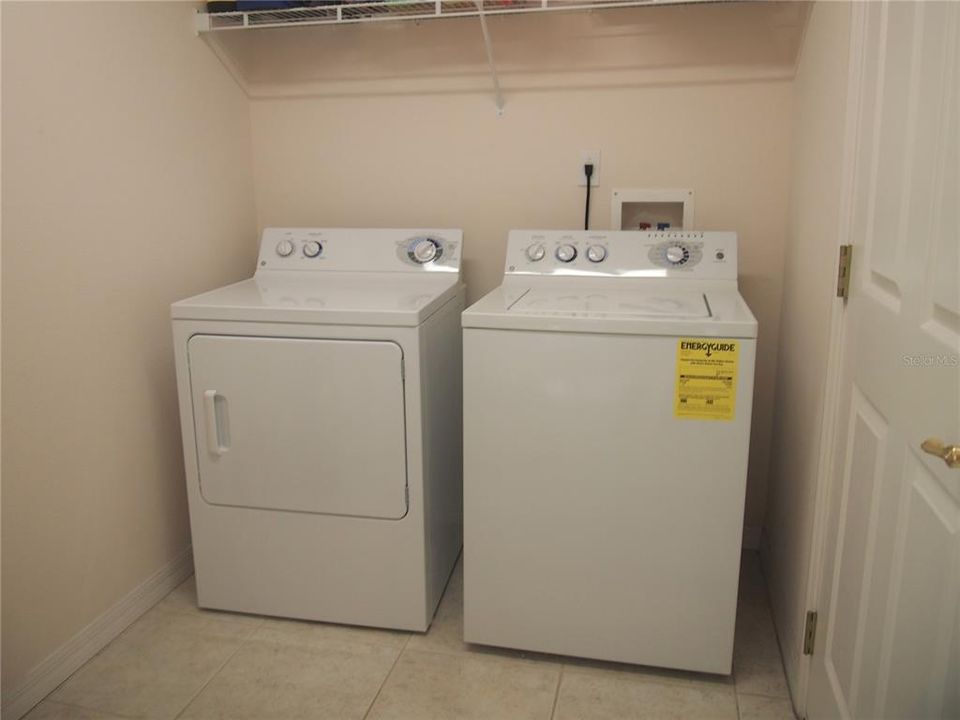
(320, 402)
(607, 398)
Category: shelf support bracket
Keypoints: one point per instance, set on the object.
(201, 23)
(497, 93)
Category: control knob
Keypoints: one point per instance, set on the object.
(423, 250)
(566, 253)
(596, 253)
(536, 252)
(312, 248)
(285, 248)
(677, 254)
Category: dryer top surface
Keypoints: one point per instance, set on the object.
(333, 298)
(343, 276)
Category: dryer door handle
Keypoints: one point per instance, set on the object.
(218, 428)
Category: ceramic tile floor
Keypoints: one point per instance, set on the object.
(180, 662)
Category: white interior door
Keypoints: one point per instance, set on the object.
(888, 644)
(300, 424)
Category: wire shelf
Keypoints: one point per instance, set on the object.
(333, 13)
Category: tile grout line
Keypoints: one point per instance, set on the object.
(387, 677)
(768, 696)
(768, 597)
(765, 603)
(78, 707)
(484, 656)
(88, 661)
(736, 694)
(556, 693)
(216, 672)
(49, 697)
(155, 608)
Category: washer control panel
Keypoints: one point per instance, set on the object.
(369, 250)
(670, 253)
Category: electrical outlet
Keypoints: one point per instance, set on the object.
(589, 157)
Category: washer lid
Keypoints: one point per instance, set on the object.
(651, 309)
(596, 302)
(348, 298)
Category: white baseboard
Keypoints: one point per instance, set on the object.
(751, 537)
(67, 659)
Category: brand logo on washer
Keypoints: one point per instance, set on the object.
(710, 347)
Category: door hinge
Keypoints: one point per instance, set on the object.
(843, 272)
(809, 632)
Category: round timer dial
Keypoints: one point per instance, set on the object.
(423, 250)
(677, 254)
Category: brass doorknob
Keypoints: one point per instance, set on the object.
(950, 454)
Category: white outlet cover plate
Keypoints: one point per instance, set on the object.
(589, 156)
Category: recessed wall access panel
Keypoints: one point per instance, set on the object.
(651, 209)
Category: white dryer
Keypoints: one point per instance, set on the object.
(608, 385)
(320, 403)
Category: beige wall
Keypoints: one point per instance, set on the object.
(126, 185)
(375, 157)
(819, 104)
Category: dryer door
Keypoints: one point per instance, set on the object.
(300, 424)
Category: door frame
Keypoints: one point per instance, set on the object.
(830, 430)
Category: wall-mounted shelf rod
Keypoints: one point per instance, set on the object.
(497, 93)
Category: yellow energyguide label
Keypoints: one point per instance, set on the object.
(706, 378)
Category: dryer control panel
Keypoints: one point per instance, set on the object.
(623, 253)
(415, 250)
